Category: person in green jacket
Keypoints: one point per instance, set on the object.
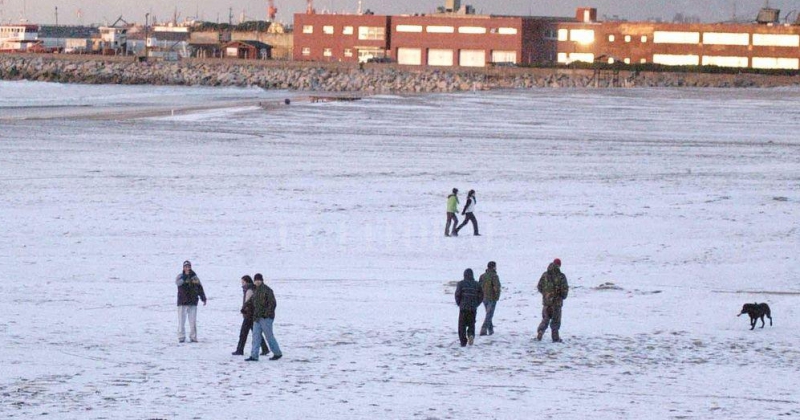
(554, 289)
(452, 209)
(263, 305)
(490, 284)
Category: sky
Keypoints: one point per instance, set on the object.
(107, 11)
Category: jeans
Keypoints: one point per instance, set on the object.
(264, 325)
(185, 311)
(451, 217)
(488, 326)
(469, 217)
(247, 326)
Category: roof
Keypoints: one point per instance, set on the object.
(255, 44)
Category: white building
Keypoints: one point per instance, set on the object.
(15, 38)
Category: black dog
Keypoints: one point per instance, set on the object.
(756, 311)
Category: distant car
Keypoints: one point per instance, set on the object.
(379, 60)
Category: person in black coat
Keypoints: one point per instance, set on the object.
(468, 297)
(247, 318)
(189, 291)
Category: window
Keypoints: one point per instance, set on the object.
(327, 52)
(409, 56)
(676, 59)
(644, 39)
(439, 29)
(308, 29)
(776, 63)
(643, 61)
(774, 40)
(367, 33)
(582, 36)
(611, 38)
(669, 37)
(610, 60)
(709, 60)
(507, 31)
(306, 51)
(721, 38)
(627, 38)
(327, 30)
(348, 52)
(409, 28)
(347, 30)
(563, 34)
(551, 34)
(627, 60)
(471, 30)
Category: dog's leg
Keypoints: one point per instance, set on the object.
(762, 321)
(752, 323)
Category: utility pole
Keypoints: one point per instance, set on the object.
(146, 22)
(56, 15)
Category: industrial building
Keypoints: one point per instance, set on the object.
(455, 36)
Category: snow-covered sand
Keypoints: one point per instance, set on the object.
(687, 200)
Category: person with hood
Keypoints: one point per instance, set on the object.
(247, 318)
(264, 304)
(468, 211)
(468, 298)
(452, 209)
(189, 290)
(554, 289)
(490, 284)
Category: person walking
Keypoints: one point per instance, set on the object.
(554, 289)
(247, 318)
(189, 291)
(469, 209)
(264, 305)
(490, 284)
(468, 297)
(452, 209)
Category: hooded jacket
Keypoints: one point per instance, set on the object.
(189, 292)
(452, 203)
(263, 302)
(553, 286)
(468, 294)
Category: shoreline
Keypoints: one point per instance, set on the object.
(341, 77)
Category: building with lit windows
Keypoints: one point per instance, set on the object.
(459, 38)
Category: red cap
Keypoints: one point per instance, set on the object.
(557, 262)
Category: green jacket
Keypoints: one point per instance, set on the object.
(553, 286)
(490, 284)
(452, 203)
(264, 303)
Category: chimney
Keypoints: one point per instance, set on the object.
(586, 14)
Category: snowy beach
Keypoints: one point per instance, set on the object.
(687, 200)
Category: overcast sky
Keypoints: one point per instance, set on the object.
(102, 11)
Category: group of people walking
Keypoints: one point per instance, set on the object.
(468, 212)
(258, 307)
(258, 312)
(470, 294)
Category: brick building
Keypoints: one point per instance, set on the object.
(469, 40)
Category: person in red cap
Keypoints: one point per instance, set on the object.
(554, 289)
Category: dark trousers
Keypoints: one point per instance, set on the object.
(466, 325)
(469, 217)
(247, 326)
(450, 217)
(551, 315)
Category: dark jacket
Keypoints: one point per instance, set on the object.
(553, 286)
(263, 302)
(468, 294)
(247, 307)
(490, 283)
(188, 291)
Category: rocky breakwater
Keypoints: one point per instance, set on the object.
(344, 78)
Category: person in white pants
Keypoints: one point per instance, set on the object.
(190, 290)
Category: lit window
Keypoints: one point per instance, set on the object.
(507, 31)
(327, 52)
(627, 38)
(582, 36)
(308, 29)
(347, 30)
(627, 61)
(610, 60)
(643, 61)
(439, 29)
(327, 30)
(409, 28)
(348, 52)
(611, 38)
(644, 39)
(563, 34)
(375, 33)
(306, 50)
